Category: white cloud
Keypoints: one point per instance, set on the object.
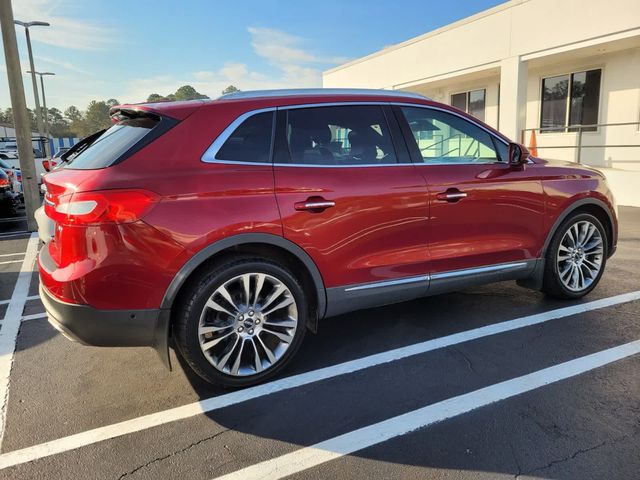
(59, 63)
(294, 66)
(65, 31)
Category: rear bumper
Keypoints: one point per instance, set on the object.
(104, 328)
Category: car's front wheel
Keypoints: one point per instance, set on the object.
(576, 257)
(241, 322)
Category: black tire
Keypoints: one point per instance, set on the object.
(552, 284)
(192, 303)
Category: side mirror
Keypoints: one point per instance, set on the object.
(518, 154)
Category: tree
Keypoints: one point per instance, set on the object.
(230, 89)
(112, 102)
(187, 92)
(96, 118)
(155, 97)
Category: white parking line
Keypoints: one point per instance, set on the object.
(32, 297)
(99, 434)
(10, 261)
(11, 324)
(337, 447)
(34, 316)
(12, 254)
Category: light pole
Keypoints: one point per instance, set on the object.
(44, 104)
(19, 107)
(26, 26)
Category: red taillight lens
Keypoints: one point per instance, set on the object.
(4, 182)
(107, 206)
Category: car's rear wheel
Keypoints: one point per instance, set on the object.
(576, 257)
(242, 322)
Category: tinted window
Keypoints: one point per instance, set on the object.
(251, 141)
(472, 102)
(445, 138)
(113, 143)
(554, 102)
(344, 135)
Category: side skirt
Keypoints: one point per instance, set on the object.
(349, 298)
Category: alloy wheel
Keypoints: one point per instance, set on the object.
(247, 324)
(580, 254)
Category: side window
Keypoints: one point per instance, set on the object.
(343, 135)
(442, 137)
(250, 142)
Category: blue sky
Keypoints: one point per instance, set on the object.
(127, 49)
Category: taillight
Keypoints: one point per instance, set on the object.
(106, 206)
(49, 164)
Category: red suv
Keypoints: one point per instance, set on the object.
(228, 228)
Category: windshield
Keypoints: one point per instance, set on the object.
(104, 150)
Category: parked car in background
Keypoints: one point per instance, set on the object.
(55, 160)
(286, 207)
(8, 198)
(11, 157)
(15, 175)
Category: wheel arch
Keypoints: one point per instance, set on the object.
(594, 206)
(264, 244)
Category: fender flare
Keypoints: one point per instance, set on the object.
(569, 210)
(244, 238)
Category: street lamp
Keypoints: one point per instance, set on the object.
(44, 103)
(26, 26)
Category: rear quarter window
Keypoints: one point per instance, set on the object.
(114, 143)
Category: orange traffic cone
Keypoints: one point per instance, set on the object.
(533, 145)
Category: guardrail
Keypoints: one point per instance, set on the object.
(579, 130)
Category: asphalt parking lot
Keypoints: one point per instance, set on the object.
(491, 382)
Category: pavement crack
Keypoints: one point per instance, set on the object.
(515, 460)
(570, 457)
(169, 455)
(467, 360)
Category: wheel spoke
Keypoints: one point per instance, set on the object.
(289, 323)
(222, 290)
(275, 294)
(257, 359)
(236, 363)
(268, 352)
(211, 303)
(215, 341)
(246, 282)
(285, 337)
(223, 361)
(581, 280)
(259, 284)
(203, 330)
(287, 301)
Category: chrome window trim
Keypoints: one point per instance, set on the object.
(209, 155)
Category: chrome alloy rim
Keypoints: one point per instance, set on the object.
(579, 256)
(248, 324)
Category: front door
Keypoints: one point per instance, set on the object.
(485, 214)
(350, 197)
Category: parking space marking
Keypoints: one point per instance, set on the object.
(12, 254)
(32, 297)
(144, 422)
(356, 440)
(10, 261)
(11, 324)
(34, 316)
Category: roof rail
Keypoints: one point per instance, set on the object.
(293, 92)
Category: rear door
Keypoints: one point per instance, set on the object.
(350, 197)
(486, 216)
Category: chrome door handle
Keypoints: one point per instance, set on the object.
(314, 205)
(451, 196)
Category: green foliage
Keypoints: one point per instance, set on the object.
(75, 123)
(230, 89)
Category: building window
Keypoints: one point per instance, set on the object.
(472, 102)
(570, 100)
